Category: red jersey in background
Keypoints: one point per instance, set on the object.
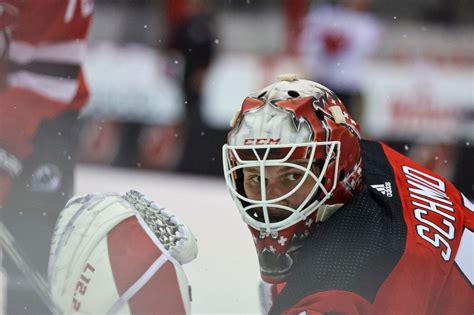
(47, 42)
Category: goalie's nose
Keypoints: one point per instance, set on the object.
(275, 190)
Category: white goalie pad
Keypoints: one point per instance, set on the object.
(113, 254)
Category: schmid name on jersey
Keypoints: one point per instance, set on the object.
(433, 209)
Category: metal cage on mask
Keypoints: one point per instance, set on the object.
(238, 157)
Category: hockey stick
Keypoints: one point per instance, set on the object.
(40, 286)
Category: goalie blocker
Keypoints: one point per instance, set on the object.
(120, 254)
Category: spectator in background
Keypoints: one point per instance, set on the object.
(43, 89)
(440, 11)
(336, 42)
(193, 38)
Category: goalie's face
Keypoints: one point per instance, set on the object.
(278, 181)
(277, 186)
(278, 197)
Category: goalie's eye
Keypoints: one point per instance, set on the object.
(294, 176)
(254, 179)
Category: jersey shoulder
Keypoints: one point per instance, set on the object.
(52, 20)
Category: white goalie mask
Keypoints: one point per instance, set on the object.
(283, 166)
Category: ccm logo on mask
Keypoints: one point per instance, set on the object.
(262, 141)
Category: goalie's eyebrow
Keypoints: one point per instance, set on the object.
(292, 168)
(253, 170)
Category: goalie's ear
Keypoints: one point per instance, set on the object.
(103, 261)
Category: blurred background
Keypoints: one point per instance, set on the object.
(166, 76)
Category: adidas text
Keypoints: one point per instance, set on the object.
(384, 189)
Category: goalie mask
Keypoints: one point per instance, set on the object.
(292, 159)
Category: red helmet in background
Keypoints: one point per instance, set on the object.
(295, 125)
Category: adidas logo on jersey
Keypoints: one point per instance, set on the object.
(384, 189)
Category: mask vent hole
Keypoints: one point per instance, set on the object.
(262, 94)
(319, 114)
(293, 93)
(341, 175)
